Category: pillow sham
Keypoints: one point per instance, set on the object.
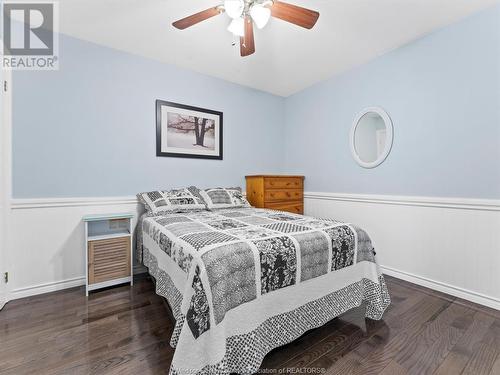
(224, 198)
(176, 200)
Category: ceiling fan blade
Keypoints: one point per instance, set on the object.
(247, 42)
(294, 14)
(197, 18)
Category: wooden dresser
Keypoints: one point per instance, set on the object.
(285, 193)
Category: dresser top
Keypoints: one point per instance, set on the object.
(99, 217)
(276, 176)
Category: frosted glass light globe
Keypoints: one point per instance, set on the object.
(260, 15)
(234, 8)
(237, 27)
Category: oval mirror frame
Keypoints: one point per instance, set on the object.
(389, 134)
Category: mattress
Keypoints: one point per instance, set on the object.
(244, 281)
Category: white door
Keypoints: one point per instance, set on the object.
(5, 177)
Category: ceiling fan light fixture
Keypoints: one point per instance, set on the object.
(245, 13)
(237, 27)
(234, 8)
(260, 15)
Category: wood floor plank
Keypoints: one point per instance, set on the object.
(346, 363)
(393, 368)
(460, 354)
(126, 330)
(345, 322)
(428, 349)
(485, 354)
(401, 303)
(496, 366)
(98, 330)
(105, 338)
(402, 334)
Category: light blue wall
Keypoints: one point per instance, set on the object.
(89, 128)
(443, 94)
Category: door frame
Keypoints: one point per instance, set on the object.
(5, 180)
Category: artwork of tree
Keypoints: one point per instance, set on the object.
(198, 125)
(187, 131)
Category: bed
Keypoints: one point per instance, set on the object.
(243, 281)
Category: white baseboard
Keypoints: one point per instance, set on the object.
(468, 295)
(47, 287)
(57, 285)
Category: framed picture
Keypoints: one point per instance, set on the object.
(183, 131)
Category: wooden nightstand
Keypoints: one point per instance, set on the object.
(108, 240)
(285, 193)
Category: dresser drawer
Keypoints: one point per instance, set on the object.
(108, 259)
(283, 183)
(283, 195)
(294, 207)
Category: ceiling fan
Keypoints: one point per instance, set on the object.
(245, 13)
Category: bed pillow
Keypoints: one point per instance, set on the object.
(176, 200)
(224, 198)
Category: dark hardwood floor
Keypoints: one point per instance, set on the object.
(126, 330)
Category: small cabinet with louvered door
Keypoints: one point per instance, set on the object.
(284, 193)
(109, 250)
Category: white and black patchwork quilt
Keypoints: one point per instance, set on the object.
(244, 281)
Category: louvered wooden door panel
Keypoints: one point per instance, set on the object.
(109, 259)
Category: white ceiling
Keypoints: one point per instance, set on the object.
(288, 58)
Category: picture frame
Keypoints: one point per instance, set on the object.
(184, 131)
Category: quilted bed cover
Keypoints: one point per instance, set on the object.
(244, 281)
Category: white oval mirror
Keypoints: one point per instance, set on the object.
(371, 137)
